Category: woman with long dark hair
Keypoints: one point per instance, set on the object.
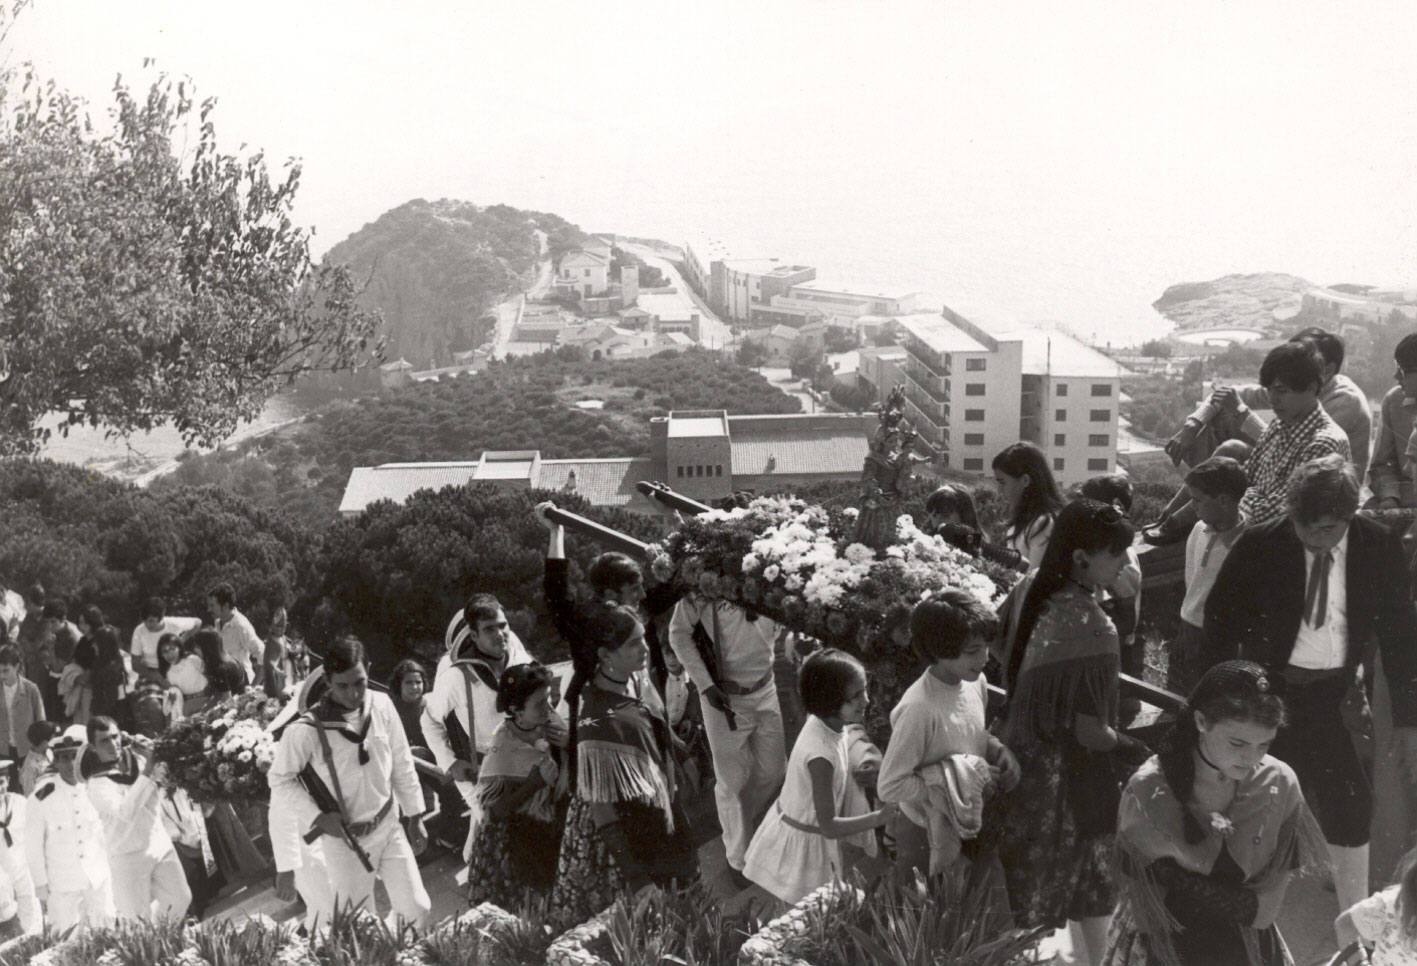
(1031, 499)
(1055, 836)
(623, 828)
(1211, 830)
(109, 675)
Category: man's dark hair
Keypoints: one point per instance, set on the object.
(1323, 487)
(941, 625)
(35, 595)
(611, 571)
(55, 609)
(345, 654)
(1296, 364)
(224, 595)
(480, 607)
(1329, 346)
(10, 655)
(41, 731)
(93, 617)
(1406, 352)
(154, 607)
(100, 722)
(1219, 476)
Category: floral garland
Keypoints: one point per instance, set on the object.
(223, 753)
(769, 946)
(798, 564)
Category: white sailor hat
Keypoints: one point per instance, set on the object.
(73, 739)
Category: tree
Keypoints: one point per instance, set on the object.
(805, 358)
(138, 288)
(1156, 348)
(751, 354)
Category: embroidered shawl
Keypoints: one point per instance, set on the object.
(622, 754)
(1070, 665)
(1273, 834)
(509, 760)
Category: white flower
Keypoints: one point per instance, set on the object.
(771, 572)
(1221, 825)
(751, 563)
(859, 553)
(793, 582)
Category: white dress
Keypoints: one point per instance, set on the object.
(1378, 921)
(787, 861)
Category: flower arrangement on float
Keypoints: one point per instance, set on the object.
(223, 753)
(800, 565)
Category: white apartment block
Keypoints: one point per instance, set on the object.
(840, 303)
(971, 391)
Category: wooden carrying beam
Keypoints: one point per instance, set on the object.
(675, 501)
(611, 538)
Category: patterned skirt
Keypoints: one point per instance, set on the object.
(1053, 873)
(511, 857)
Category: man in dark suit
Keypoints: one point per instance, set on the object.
(1311, 596)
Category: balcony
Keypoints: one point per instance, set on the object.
(930, 409)
(936, 385)
(920, 353)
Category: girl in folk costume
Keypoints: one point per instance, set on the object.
(520, 787)
(1055, 836)
(1211, 830)
(797, 848)
(623, 829)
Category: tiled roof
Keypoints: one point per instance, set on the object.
(399, 481)
(607, 482)
(793, 452)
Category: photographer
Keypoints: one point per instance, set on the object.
(148, 879)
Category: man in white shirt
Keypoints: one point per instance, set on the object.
(1314, 597)
(64, 841)
(729, 656)
(147, 874)
(457, 736)
(13, 861)
(150, 630)
(239, 640)
(351, 746)
(1215, 488)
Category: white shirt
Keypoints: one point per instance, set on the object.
(241, 643)
(131, 815)
(1324, 648)
(1206, 550)
(364, 788)
(144, 646)
(64, 839)
(12, 858)
(932, 721)
(745, 647)
(449, 696)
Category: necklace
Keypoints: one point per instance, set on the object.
(615, 680)
(1212, 765)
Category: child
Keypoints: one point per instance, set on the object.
(795, 849)
(1387, 918)
(20, 703)
(939, 717)
(37, 762)
(1215, 487)
(1031, 499)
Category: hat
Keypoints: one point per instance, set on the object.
(73, 738)
(7, 767)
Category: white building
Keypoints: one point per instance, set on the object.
(846, 302)
(971, 391)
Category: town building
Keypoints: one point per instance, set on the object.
(583, 273)
(1370, 308)
(704, 454)
(879, 369)
(971, 391)
(839, 303)
(739, 284)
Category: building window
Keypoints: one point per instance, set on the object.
(1097, 466)
(587, 272)
(974, 463)
(1102, 389)
(974, 439)
(974, 389)
(718, 470)
(1060, 415)
(974, 415)
(1058, 463)
(681, 471)
(1100, 415)
(975, 365)
(1060, 439)
(1062, 389)
(1099, 439)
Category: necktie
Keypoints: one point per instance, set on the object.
(1316, 600)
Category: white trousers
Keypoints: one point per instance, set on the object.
(312, 881)
(31, 916)
(748, 765)
(145, 887)
(93, 907)
(394, 864)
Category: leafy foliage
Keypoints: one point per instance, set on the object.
(137, 287)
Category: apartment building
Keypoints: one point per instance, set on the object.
(971, 391)
(842, 303)
(742, 283)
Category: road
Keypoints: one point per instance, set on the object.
(714, 334)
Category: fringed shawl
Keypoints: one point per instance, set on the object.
(1273, 834)
(621, 755)
(1070, 667)
(509, 760)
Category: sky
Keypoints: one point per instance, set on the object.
(1117, 147)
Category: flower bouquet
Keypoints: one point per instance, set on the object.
(800, 565)
(222, 755)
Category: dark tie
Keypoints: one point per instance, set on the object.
(1316, 600)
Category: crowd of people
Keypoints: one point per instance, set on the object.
(1296, 656)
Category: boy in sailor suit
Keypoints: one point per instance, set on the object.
(13, 861)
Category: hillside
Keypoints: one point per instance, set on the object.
(436, 268)
(1259, 301)
(527, 403)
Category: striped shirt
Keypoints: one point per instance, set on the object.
(1282, 448)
